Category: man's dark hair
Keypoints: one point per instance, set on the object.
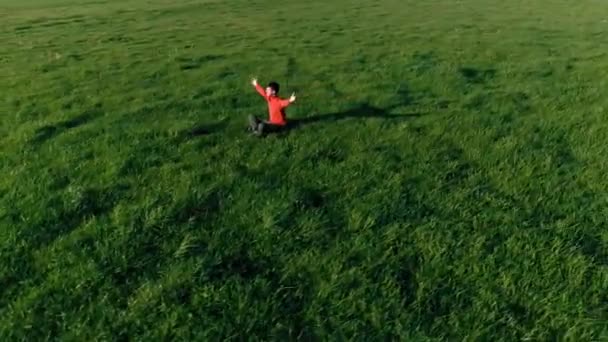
(274, 86)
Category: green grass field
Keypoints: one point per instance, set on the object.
(448, 180)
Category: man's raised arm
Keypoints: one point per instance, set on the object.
(258, 87)
(287, 102)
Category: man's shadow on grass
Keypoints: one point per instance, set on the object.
(363, 111)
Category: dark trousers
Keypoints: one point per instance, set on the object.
(260, 127)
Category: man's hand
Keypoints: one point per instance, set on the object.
(292, 99)
(254, 82)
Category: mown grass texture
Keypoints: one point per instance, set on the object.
(448, 180)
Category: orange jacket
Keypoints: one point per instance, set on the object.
(276, 107)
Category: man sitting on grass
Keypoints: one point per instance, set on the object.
(276, 110)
